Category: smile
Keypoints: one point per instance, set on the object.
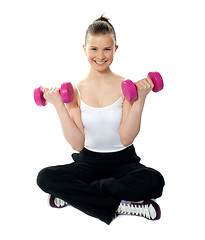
(100, 63)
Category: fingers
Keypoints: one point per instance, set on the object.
(150, 81)
(49, 91)
(145, 83)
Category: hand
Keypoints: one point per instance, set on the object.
(144, 86)
(52, 95)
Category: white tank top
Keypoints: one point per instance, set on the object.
(101, 126)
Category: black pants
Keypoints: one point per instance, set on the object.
(97, 182)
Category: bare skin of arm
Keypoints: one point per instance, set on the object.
(132, 112)
(70, 118)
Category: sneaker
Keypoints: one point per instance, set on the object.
(56, 202)
(148, 209)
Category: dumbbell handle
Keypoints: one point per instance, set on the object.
(66, 91)
(129, 89)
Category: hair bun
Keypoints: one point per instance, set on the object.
(101, 26)
(102, 18)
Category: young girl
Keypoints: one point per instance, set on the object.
(106, 178)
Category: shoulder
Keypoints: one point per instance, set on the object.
(76, 102)
(119, 79)
(81, 85)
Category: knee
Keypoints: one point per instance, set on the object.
(43, 178)
(153, 181)
(157, 182)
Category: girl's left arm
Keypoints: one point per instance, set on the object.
(132, 112)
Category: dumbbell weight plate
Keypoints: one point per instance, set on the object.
(157, 81)
(38, 96)
(67, 92)
(129, 90)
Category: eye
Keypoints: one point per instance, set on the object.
(94, 49)
(107, 49)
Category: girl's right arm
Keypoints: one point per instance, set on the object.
(70, 118)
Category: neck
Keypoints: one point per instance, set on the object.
(96, 76)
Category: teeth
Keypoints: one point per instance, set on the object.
(100, 62)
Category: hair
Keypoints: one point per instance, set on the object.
(101, 25)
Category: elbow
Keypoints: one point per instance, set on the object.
(77, 148)
(76, 144)
(126, 141)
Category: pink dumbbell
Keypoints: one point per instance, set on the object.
(66, 91)
(129, 89)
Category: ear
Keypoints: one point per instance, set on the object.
(116, 48)
(84, 48)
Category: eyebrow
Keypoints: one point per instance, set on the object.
(104, 47)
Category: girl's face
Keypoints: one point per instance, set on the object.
(100, 51)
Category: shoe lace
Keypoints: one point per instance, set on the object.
(134, 209)
(59, 202)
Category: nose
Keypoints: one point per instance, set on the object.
(101, 55)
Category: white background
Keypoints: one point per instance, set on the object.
(41, 44)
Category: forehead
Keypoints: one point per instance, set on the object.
(100, 40)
